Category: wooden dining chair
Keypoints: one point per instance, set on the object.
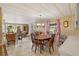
(36, 42)
(39, 44)
(51, 42)
(11, 38)
(33, 40)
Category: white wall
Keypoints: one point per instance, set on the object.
(77, 15)
(14, 18)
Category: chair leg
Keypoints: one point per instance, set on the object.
(50, 50)
(53, 48)
(35, 48)
(41, 47)
(7, 43)
(32, 46)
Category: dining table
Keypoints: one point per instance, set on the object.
(42, 37)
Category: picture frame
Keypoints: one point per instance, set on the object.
(66, 24)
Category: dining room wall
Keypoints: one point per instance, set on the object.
(70, 30)
(73, 28)
(76, 30)
(71, 25)
(13, 17)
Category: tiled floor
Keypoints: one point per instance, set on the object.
(23, 48)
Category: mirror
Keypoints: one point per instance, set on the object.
(66, 24)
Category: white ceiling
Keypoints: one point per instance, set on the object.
(47, 10)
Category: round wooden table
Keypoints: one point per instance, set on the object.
(42, 37)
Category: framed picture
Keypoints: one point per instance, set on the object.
(66, 24)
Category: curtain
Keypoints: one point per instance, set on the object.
(47, 26)
(58, 31)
